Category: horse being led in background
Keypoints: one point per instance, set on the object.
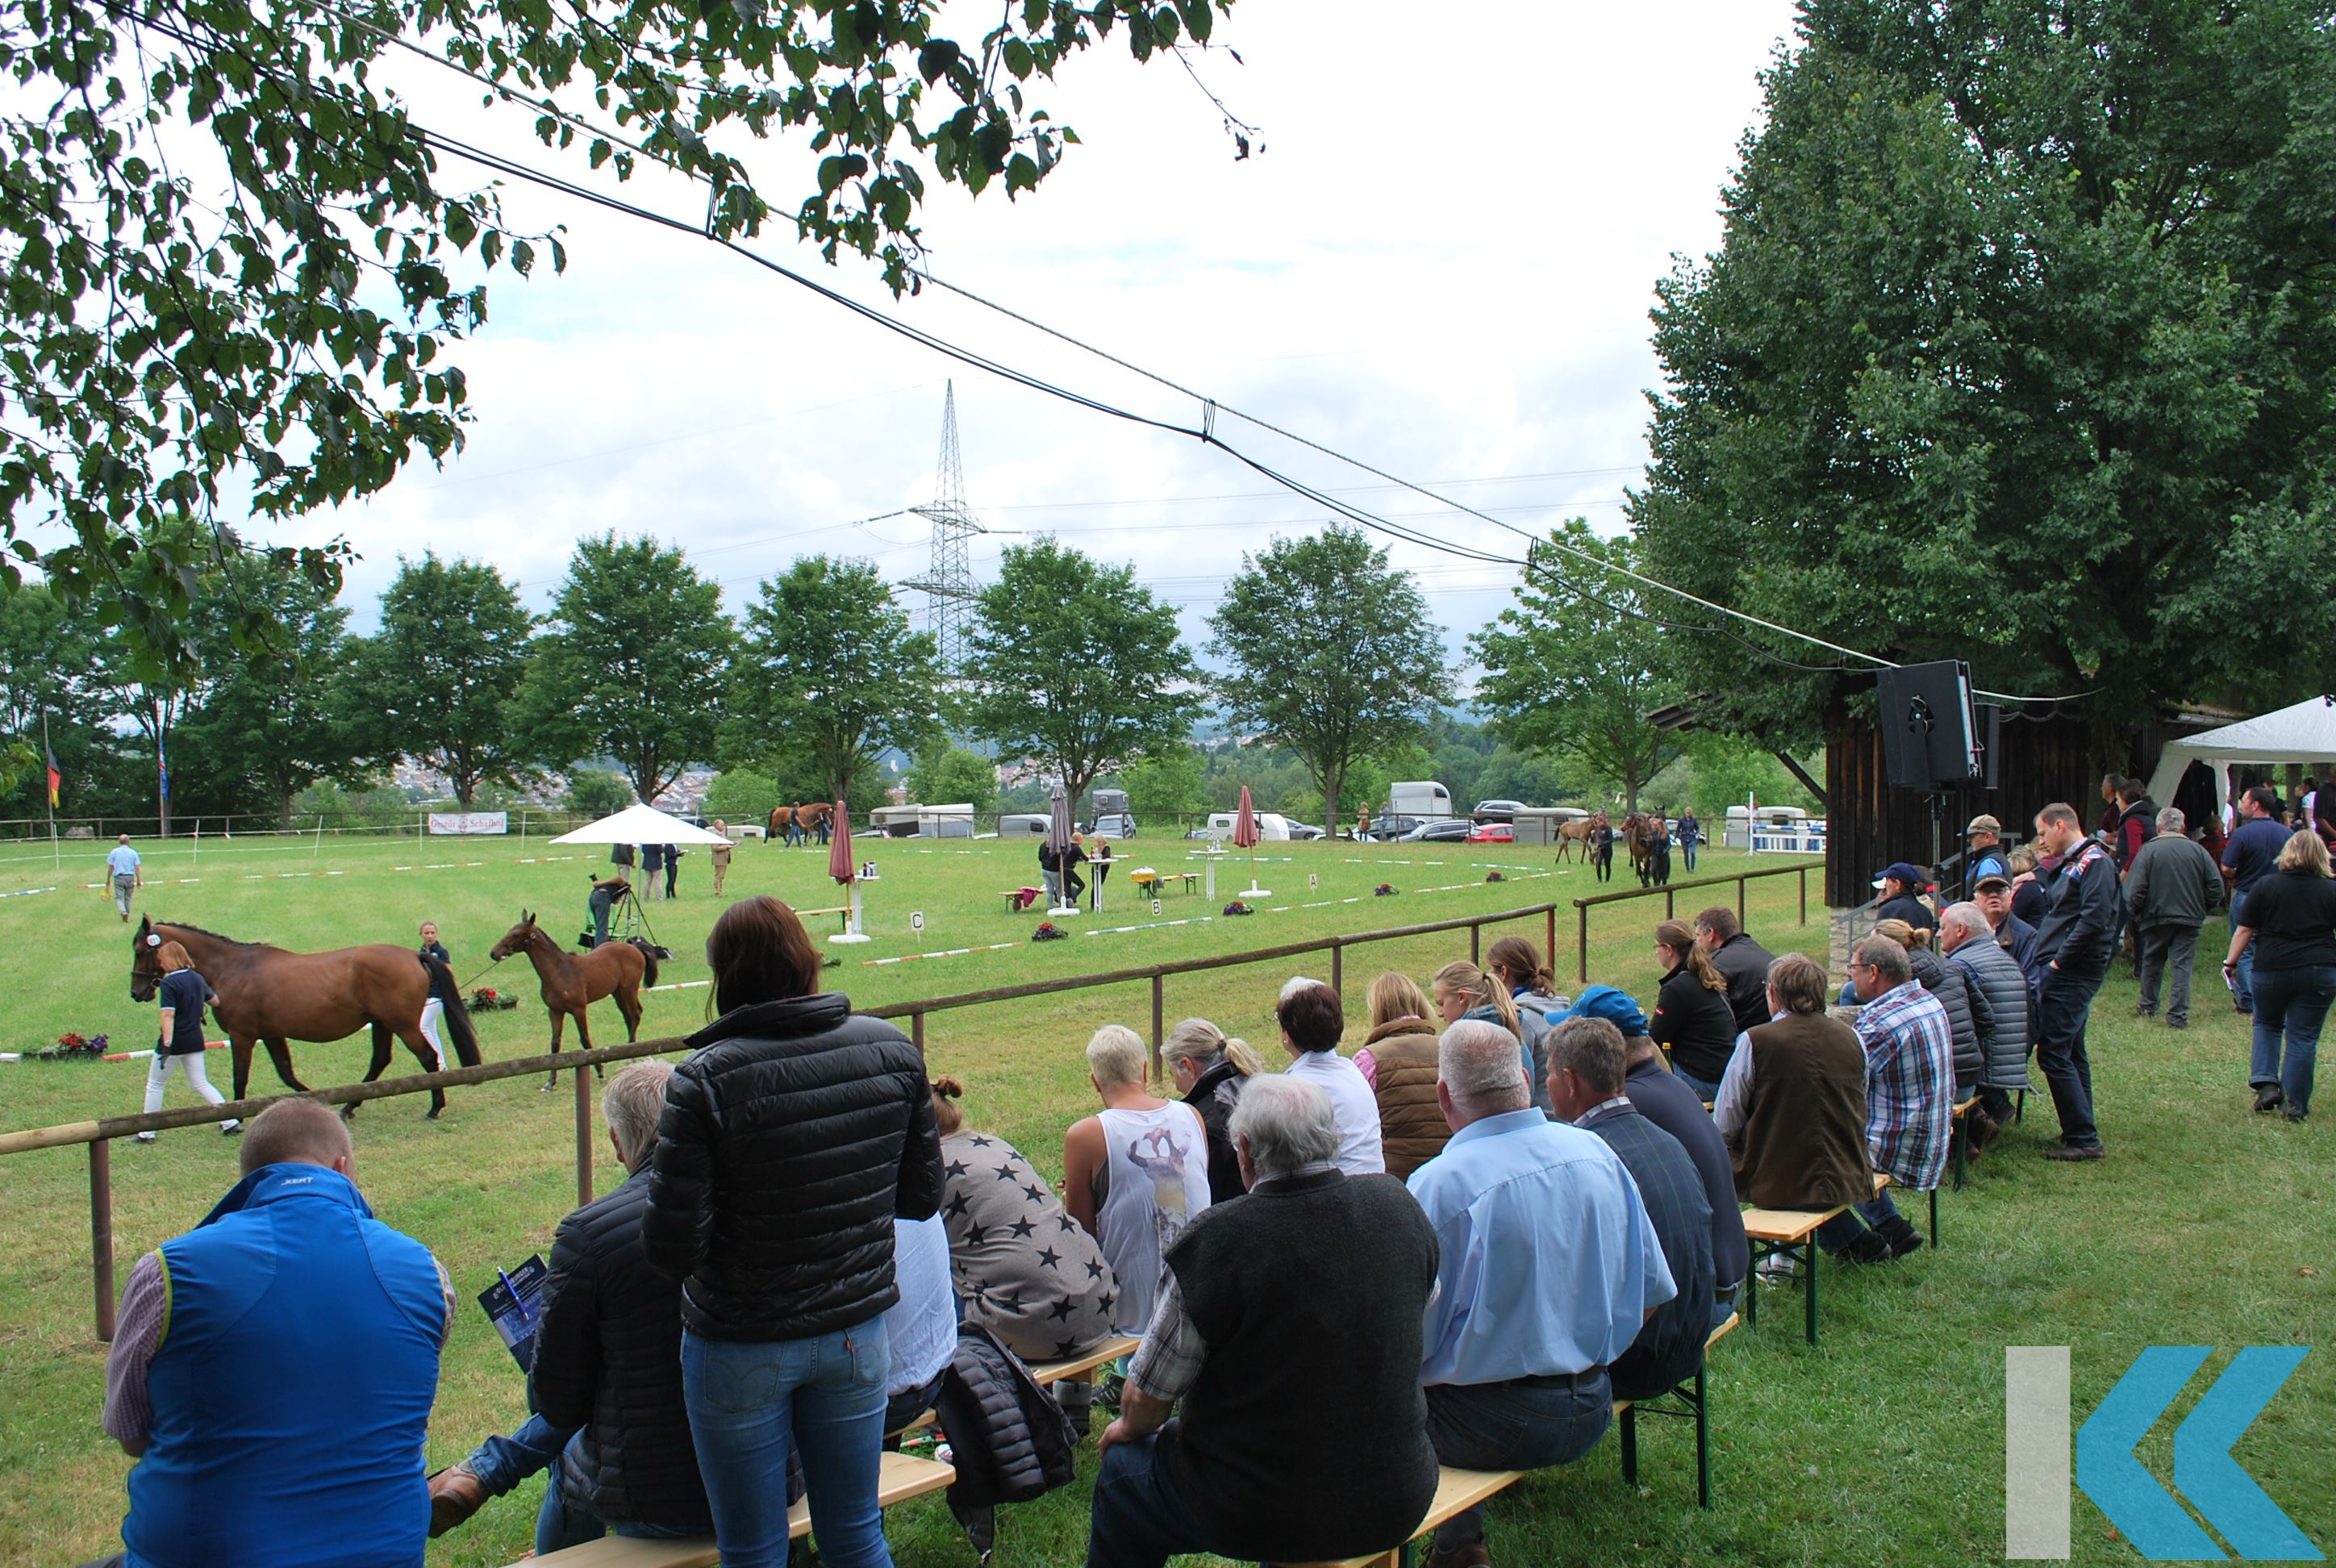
(1581, 832)
(574, 981)
(268, 995)
(798, 823)
(1643, 831)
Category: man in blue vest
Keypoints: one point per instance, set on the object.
(273, 1369)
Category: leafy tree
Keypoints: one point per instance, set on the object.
(633, 666)
(2018, 349)
(1076, 665)
(370, 802)
(47, 665)
(741, 794)
(1570, 665)
(598, 792)
(951, 775)
(1516, 776)
(436, 682)
(290, 330)
(1331, 652)
(1171, 781)
(273, 717)
(829, 668)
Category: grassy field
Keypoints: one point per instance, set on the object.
(2206, 1226)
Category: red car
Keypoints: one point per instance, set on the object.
(1492, 834)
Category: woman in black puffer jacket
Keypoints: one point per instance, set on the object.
(790, 1141)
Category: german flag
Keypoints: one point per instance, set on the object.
(55, 778)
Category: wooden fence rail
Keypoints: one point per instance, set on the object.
(100, 1133)
(1668, 894)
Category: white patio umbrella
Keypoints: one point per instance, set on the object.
(640, 824)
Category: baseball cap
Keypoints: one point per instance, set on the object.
(1906, 875)
(1992, 879)
(1604, 1002)
(1984, 824)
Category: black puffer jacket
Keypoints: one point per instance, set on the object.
(1008, 1438)
(1214, 1094)
(790, 1141)
(1999, 1005)
(1945, 981)
(607, 1358)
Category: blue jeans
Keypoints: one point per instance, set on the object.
(2243, 973)
(2293, 1002)
(559, 1524)
(1687, 854)
(2064, 1000)
(750, 1402)
(1135, 1519)
(1706, 1092)
(1845, 1228)
(1514, 1426)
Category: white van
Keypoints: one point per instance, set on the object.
(1270, 825)
(1425, 799)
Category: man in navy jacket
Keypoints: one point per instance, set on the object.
(2073, 944)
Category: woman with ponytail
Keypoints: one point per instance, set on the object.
(1516, 963)
(1691, 1019)
(1210, 1069)
(1462, 990)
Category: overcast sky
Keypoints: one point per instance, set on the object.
(1442, 263)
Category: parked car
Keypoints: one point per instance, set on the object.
(1497, 810)
(1492, 833)
(1385, 830)
(1306, 830)
(1114, 826)
(1447, 831)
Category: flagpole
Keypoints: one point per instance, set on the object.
(49, 764)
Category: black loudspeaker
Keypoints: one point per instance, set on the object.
(1990, 721)
(1929, 732)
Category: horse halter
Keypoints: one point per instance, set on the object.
(144, 964)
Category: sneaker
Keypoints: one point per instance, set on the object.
(2267, 1098)
(2074, 1151)
(145, 1137)
(2176, 1022)
(2293, 1115)
(2142, 1012)
(230, 1127)
(1777, 1269)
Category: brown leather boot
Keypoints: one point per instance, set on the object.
(455, 1493)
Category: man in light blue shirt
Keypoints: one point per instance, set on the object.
(126, 876)
(1548, 1268)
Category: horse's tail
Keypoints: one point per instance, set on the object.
(457, 1013)
(649, 963)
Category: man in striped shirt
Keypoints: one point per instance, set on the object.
(1910, 1100)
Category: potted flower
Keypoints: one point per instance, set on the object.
(1239, 908)
(1049, 932)
(1494, 877)
(1384, 891)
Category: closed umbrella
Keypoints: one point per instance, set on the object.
(1245, 838)
(846, 868)
(1058, 844)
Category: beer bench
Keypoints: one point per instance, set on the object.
(898, 1477)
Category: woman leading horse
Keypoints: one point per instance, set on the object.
(268, 995)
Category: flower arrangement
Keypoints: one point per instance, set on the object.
(1049, 932)
(74, 1048)
(487, 999)
(1384, 891)
(1239, 908)
(1494, 877)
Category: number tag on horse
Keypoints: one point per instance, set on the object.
(917, 921)
(1156, 906)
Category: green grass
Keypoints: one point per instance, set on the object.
(2206, 1226)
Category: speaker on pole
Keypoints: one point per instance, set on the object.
(1930, 738)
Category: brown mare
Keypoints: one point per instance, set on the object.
(1642, 831)
(574, 981)
(267, 995)
(803, 820)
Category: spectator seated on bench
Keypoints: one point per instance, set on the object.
(922, 1324)
(1586, 1075)
(1792, 1105)
(605, 1382)
(1292, 1449)
(1022, 1266)
(1135, 1174)
(1910, 1099)
(1664, 1099)
(273, 1369)
(1547, 1266)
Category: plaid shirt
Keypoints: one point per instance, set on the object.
(1909, 1085)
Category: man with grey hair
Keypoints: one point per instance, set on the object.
(1256, 1333)
(604, 1371)
(1999, 1006)
(2170, 887)
(1910, 1099)
(1550, 1267)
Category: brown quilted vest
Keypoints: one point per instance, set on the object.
(1412, 1128)
(1803, 1142)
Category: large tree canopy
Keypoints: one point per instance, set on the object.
(436, 682)
(285, 326)
(2019, 349)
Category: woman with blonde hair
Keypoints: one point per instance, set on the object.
(2291, 924)
(1210, 1069)
(1691, 1019)
(1462, 990)
(1517, 964)
(1398, 1060)
(184, 994)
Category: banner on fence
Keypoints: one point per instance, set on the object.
(451, 823)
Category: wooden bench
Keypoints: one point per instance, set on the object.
(1459, 1490)
(843, 912)
(898, 1477)
(1153, 884)
(1014, 904)
(1958, 1157)
(1078, 1369)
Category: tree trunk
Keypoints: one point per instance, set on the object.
(1333, 779)
(286, 793)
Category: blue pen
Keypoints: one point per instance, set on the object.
(514, 1294)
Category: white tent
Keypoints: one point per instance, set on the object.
(2303, 734)
(639, 825)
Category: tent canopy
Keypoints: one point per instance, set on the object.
(2304, 733)
(640, 824)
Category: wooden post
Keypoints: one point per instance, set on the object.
(583, 1136)
(1804, 895)
(1549, 951)
(1582, 940)
(1159, 1016)
(1476, 942)
(101, 1231)
(917, 1031)
(1739, 902)
(1670, 912)
(1338, 970)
